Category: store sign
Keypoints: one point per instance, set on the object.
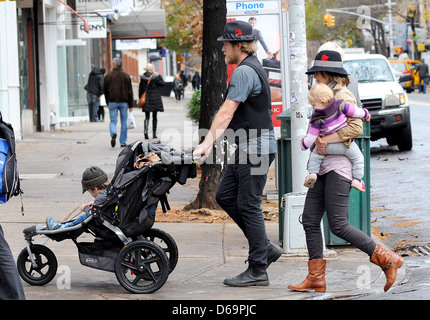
(97, 28)
(136, 44)
(252, 7)
(92, 5)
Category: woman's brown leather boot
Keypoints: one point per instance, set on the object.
(315, 279)
(389, 263)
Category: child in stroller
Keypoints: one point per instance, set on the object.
(121, 222)
(94, 180)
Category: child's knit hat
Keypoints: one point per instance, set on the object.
(93, 177)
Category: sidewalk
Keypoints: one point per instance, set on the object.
(51, 166)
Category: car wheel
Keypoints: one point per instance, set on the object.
(404, 139)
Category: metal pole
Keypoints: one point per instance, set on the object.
(285, 60)
(299, 92)
(390, 31)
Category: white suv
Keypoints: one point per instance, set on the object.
(381, 94)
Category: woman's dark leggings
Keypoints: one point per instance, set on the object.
(331, 195)
(154, 121)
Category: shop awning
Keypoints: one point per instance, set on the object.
(86, 25)
(140, 24)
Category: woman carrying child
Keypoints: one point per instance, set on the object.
(328, 117)
(330, 193)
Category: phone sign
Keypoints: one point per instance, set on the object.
(252, 7)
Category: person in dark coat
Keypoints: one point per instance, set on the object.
(94, 89)
(178, 87)
(154, 103)
(119, 97)
(184, 81)
(196, 81)
(101, 111)
(423, 72)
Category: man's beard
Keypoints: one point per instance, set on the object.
(231, 59)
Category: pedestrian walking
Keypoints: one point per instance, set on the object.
(196, 81)
(119, 97)
(102, 102)
(178, 87)
(330, 193)
(423, 73)
(246, 110)
(151, 83)
(184, 81)
(94, 89)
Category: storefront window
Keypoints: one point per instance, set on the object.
(73, 68)
(26, 58)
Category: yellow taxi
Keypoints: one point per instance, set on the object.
(415, 74)
(407, 67)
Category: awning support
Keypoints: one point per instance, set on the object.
(86, 24)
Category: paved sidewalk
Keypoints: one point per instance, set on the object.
(51, 165)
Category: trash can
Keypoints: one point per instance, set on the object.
(359, 202)
(284, 165)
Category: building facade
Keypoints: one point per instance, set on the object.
(47, 50)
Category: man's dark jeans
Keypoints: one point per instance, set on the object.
(10, 282)
(240, 194)
(93, 106)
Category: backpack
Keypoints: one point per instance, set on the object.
(9, 183)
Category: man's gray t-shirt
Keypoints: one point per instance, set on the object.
(245, 83)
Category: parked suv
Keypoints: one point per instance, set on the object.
(381, 93)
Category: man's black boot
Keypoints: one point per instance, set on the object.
(255, 275)
(273, 253)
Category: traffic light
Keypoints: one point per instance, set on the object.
(326, 20)
(397, 49)
(329, 20)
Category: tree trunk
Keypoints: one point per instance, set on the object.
(214, 83)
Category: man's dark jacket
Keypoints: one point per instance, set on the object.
(118, 87)
(95, 82)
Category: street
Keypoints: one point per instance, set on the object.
(400, 204)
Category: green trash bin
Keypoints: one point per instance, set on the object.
(359, 202)
(285, 184)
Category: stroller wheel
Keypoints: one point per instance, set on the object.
(142, 267)
(45, 268)
(166, 242)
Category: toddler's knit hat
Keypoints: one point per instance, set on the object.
(93, 177)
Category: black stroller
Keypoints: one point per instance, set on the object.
(125, 243)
